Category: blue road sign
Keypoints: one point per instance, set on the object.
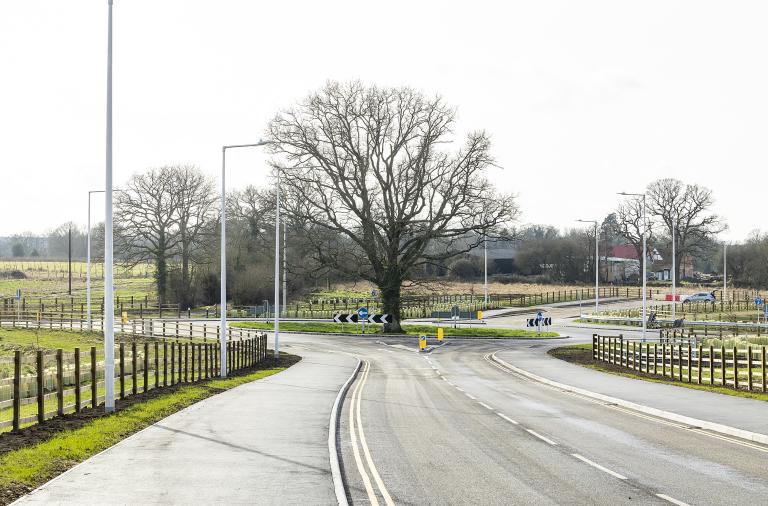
(362, 313)
(18, 294)
(539, 316)
(373, 293)
(758, 301)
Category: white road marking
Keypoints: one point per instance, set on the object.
(543, 438)
(382, 489)
(486, 406)
(505, 417)
(459, 389)
(356, 450)
(672, 500)
(598, 466)
(470, 396)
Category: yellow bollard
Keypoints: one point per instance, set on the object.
(439, 333)
(422, 342)
(125, 317)
(479, 315)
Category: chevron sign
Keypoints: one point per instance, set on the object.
(379, 318)
(531, 322)
(345, 318)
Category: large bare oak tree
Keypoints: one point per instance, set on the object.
(367, 170)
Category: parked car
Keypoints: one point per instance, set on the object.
(699, 297)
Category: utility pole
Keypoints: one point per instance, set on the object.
(109, 283)
(69, 257)
(674, 270)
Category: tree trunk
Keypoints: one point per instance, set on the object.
(390, 299)
(161, 277)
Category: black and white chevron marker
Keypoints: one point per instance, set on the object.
(379, 318)
(345, 318)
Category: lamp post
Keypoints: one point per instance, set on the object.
(674, 264)
(485, 272)
(725, 271)
(223, 331)
(109, 309)
(597, 262)
(644, 232)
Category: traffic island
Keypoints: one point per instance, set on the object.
(36, 454)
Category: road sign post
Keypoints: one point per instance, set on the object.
(758, 303)
(422, 343)
(362, 316)
(440, 334)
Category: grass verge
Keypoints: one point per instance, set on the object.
(581, 354)
(32, 456)
(413, 330)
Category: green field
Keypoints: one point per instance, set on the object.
(413, 330)
(51, 279)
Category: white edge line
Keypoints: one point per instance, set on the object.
(470, 396)
(543, 438)
(334, 451)
(505, 417)
(598, 466)
(486, 406)
(672, 500)
(687, 420)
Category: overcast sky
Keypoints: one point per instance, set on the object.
(582, 98)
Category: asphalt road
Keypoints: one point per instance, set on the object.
(451, 427)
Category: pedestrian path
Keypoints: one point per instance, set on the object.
(264, 442)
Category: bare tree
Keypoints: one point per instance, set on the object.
(689, 204)
(364, 164)
(194, 210)
(146, 222)
(629, 224)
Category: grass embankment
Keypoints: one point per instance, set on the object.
(581, 354)
(409, 329)
(35, 455)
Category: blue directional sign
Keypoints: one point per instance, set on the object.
(18, 294)
(758, 301)
(362, 313)
(539, 316)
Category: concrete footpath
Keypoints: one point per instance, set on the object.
(739, 412)
(265, 442)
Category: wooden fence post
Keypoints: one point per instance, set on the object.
(134, 370)
(157, 365)
(122, 370)
(205, 350)
(186, 363)
(173, 362)
(698, 364)
(59, 382)
(722, 363)
(735, 369)
(94, 380)
(40, 388)
(749, 368)
(16, 389)
(680, 362)
(193, 362)
(146, 366)
(78, 406)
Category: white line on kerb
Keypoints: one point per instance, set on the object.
(543, 438)
(598, 466)
(486, 406)
(505, 417)
(672, 500)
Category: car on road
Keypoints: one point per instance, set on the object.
(700, 297)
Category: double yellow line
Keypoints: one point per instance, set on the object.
(356, 430)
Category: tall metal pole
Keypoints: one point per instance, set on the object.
(285, 269)
(674, 264)
(645, 257)
(223, 303)
(69, 258)
(485, 281)
(277, 267)
(725, 272)
(109, 311)
(597, 268)
(89, 323)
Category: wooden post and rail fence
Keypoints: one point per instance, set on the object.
(729, 367)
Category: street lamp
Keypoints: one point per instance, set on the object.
(485, 271)
(645, 253)
(109, 308)
(223, 331)
(674, 265)
(597, 262)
